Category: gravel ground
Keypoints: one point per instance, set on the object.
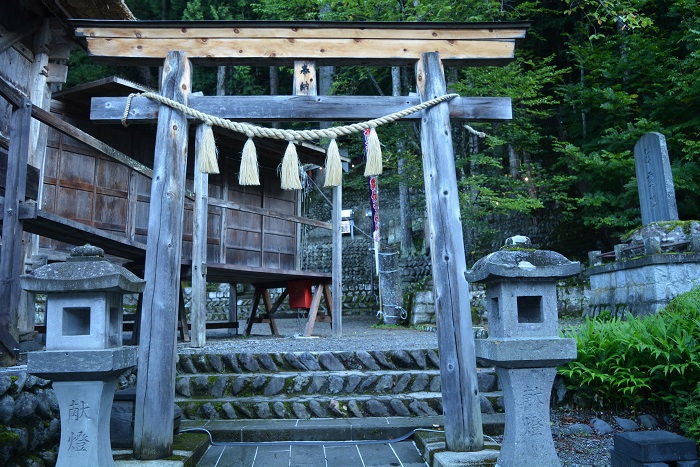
(579, 450)
(358, 333)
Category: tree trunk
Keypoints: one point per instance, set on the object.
(221, 81)
(513, 162)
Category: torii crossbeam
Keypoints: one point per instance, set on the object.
(426, 45)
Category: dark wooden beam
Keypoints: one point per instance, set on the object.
(11, 257)
(301, 108)
(59, 228)
(10, 38)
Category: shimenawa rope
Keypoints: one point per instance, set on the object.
(290, 179)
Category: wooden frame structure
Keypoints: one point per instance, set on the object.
(180, 45)
(426, 45)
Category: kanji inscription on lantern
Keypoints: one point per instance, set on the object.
(533, 395)
(78, 441)
(78, 410)
(534, 425)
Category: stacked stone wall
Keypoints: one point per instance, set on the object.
(359, 287)
(30, 426)
(29, 420)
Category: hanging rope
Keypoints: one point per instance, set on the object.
(289, 135)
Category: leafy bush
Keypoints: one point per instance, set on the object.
(633, 362)
(688, 413)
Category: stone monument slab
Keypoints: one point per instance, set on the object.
(657, 196)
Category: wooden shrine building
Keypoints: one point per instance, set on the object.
(216, 228)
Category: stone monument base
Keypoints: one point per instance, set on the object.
(483, 458)
(641, 286)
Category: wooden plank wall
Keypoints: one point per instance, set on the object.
(15, 69)
(83, 185)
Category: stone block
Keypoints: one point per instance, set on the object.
(81, 364)
(525, 353)
(620, 460)
(527, 439)
(655, 446)
(84, 320)
(454, 459)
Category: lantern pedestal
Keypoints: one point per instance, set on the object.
(523, 343)
(84, 354)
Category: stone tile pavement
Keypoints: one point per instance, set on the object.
(402, 453)
(316, 442)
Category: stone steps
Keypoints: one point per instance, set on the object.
(307, 361)
(317, 385)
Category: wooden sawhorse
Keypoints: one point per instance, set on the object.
(269, 315)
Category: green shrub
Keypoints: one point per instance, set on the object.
(629, 363)
(688, 413)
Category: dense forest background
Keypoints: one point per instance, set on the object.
(591, 77)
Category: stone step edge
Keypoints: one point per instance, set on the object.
(318, 407)
(246, 362)
(326, 397)
(410, 405)
(271, 385)
(293, 373)
(349, 429)
(218, 386)
(193, 363)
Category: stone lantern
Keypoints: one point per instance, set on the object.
(84, 353)
(523, 343)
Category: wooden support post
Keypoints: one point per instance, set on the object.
(328, 298)
(155, 389)
(11, 250)
(40, 95)
(253, 310)
(313, 311)
(460, 393)
(182, 316)
(267, 300)
(198, 303)
(233, 309)
(337, 262)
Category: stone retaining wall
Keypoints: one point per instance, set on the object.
(29, 424)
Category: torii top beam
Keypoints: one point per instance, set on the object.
(283, 42)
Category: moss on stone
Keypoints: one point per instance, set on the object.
(666, 225)
(8, 437)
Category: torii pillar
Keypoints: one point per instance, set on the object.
(155, 386)
(460, 393)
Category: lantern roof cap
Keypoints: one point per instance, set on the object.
(85, 270)
(517, 258)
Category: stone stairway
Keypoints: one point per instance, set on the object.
(309, 385)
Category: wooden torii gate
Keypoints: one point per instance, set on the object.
(178, 45)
